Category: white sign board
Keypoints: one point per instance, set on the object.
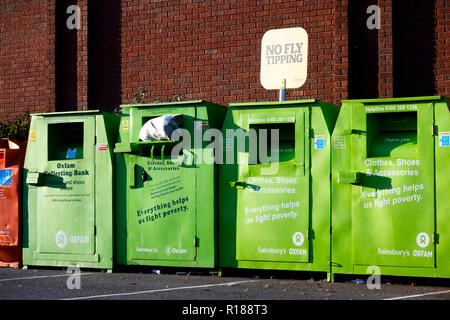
(284, 54)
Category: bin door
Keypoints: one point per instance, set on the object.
(393, 213)
(65, 193)
(273, 206)
(161, 206)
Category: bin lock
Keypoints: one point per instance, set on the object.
(144, 175)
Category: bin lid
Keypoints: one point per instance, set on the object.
(271, 103)
(168, 104)
(68, 113)
(390, 100)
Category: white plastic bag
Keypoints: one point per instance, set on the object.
(160, 128)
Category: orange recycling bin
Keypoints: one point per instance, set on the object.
(12, 154)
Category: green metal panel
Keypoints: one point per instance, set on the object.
(278, 219)
(384, 187)
(442, 163)
(68, 190)
(274, 213)
(166, 226)
(163, 222)
(66, 228)
(392, 188)
(166, 207)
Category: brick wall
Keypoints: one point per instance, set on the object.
(211, 50)
(27, 72)
(386, 51)
(442, 48)
(339, 58)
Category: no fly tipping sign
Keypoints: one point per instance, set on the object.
(284, 54)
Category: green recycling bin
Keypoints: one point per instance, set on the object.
(68, 194)
(166, 187)
(274, 194)
(390, 164)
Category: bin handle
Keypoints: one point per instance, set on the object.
(151, 152)
(349, 177)
(34, 178)
(162, 152)
(238, 184)
(132, 176)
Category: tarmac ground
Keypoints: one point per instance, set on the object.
(185, 290)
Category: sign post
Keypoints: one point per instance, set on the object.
(284, 55)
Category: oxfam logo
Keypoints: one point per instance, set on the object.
(298, 239)
(61, 239)
(422, 239)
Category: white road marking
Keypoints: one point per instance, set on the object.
(161, 290)
(418, 295)
(38, 277)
